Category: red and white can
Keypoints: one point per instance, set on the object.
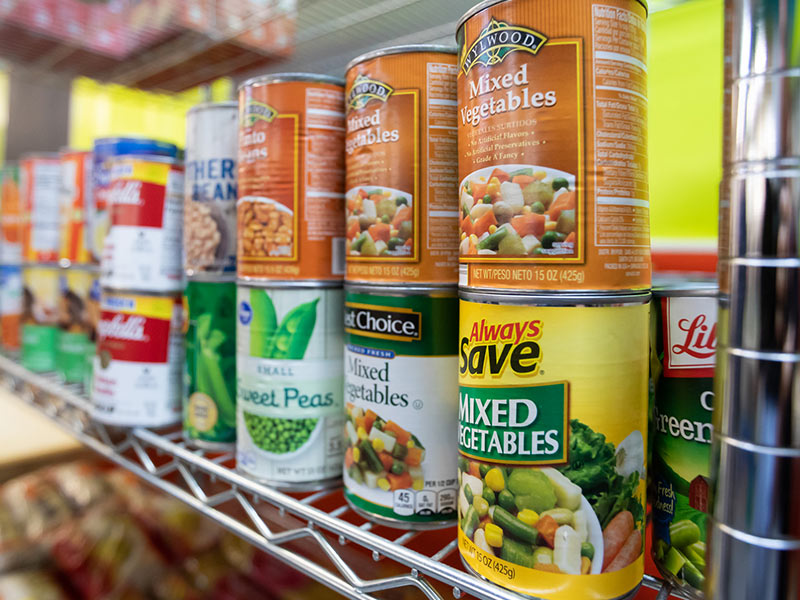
(139, 361)
(144, 244)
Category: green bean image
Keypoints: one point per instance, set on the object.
(264, 325)
(279, 436)
(292, 337)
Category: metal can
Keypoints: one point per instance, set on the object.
(400, 399)
(40, 302)
(209, 397)
(552, 425)
(93, 317)
(685, 346)
(76, 193)
(74, 320)
(104, 149)
(40, 192)
(552, 139)
(144, 244)
(289, 385)
(401, 159)
(10, 215)
(291, 179)
(139, 362)
(10, 306)
(209, 244)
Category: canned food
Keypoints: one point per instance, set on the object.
(553, 146)
(400, 395)
(144, 245)
(99, 219)
(93, 316)
(291, 178)
(289, 382)
(401, 158)
(209, 398)
(74, 320)
(139, 361)
(76, 193)
(684, 348)
(209, 243)
(40, 191)
(10, 306)
(552, 426)
(41, 296)
(10, 215)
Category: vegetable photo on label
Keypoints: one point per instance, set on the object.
(380, 222)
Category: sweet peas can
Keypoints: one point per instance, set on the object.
(552, 428)
(552, 138)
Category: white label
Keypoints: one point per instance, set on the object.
(691, 333)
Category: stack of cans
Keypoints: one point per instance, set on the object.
(401, 312)
(289, 294)
(137, 219)
(755, 540)
(10, 258)
(209, 260)
(554, 296)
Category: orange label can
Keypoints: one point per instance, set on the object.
(40, 193)
(552, 138)
(401, 156)
(291, 179)
(76, 189)
(10, 216)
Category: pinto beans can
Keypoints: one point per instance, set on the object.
(10, 306)
(400, 399)
(40, 299)
(291, 178)
(75, 323)
(40, 190)
(76, 194)
(552, 138)
(209, 233)
(401, 157)
(10, 216)
(143, 248)
(139, 362)
(552, 428)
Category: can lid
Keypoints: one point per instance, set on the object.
(286, 77)
(208, 277)
(698, 289)
(123, 291)
(213, 105)
(157, 158)
(553, 299)
(401, 290)
(68, 150)
(104, 147)
(40, 155)
(404, 49)
(287, 284)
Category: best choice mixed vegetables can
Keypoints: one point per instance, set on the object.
(76, 322)
(209, 397)
(552, 138)
(552, 425)
(289, 384)
(683, 356)
(40, 192)
(400, 398)
(76, 193)
(401, 166)
(40, 317)
(10, 306)
(291, 178)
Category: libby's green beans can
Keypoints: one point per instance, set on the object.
(401, 399)
(41, 296)
(289, 409)
(75, 323)
(209, 402)
(685, 346)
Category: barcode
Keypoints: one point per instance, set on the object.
(337, 255)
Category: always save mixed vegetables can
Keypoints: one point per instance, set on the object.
(40, 300)
(291, 178)
(400, 399)
(76, 194)
(552, 425)
(685, 347)
(552, 122)
(289, 385)
(401, 161)
(75, 323)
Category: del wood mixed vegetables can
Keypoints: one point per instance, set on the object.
(10, 215)
(40, 191)
(143, 248)
(683, 373)
(291, 178)
(10, 306)
(209, 232)
(209, 386)
(401, 156)
(76, 321)
(552, 426)
(290, 384)
(400, 399)
(76, 193)
(40, 301)
(552, 138)
(139, 362)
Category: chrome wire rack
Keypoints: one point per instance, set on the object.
(425, 562)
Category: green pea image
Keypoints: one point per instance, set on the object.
(279, 436)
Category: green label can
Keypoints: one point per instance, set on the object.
(685, 345)
(209, 403)
(289, 385)
(401, 395)
(40, 330)
(75, 324)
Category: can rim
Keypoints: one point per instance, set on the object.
(40, 155)
(487, 3)
(209, 277)
(699, 289)
(554, 299)
(39, 265)
(401, 49)
(135, 138)
(211, 105)
(159, 158)
(405, 290)
(64, 150)
(291, 76)
(288, 284)
(122, 291)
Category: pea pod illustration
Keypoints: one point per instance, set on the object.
(294, 333)
(265, 321)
